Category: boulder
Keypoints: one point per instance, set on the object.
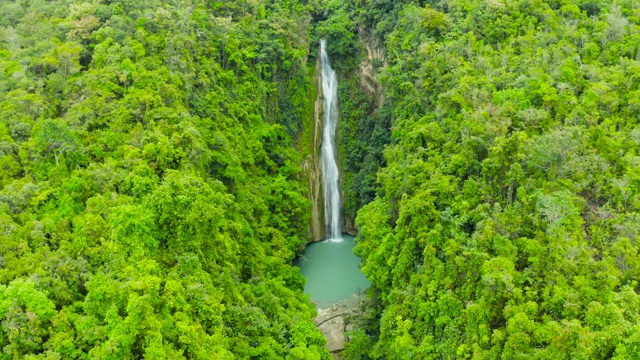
(333, 331)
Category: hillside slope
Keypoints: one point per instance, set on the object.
(149, 196)
(506, 224)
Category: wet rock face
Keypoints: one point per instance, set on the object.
(312, 164)
(349, 226)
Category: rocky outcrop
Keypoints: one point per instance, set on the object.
(367, 73)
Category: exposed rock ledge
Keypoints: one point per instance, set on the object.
(333, 321)
(333, 331)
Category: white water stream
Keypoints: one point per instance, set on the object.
(327, 154)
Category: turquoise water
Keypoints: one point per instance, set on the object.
(332, 271)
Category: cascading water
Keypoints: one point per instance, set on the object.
(327, 153)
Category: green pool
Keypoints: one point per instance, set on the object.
(332, 271)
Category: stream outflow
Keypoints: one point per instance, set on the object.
(329, 168)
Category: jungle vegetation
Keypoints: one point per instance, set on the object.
(507, 216)
(149, 197)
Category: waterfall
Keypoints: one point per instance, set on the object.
(327, 153)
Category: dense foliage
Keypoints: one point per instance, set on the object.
(364, 132)
(151, 201)
(507, 219)
(149, 196)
